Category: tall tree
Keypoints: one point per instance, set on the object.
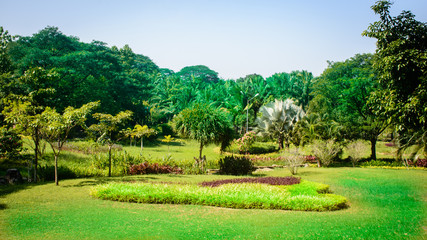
(199, 71)
(342, 93)
(24, 111)
(401, 62)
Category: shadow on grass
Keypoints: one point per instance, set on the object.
(104, 180)
(9, 189)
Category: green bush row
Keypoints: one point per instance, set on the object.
(246, 196)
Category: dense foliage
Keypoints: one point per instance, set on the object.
(234, 165)
(359, 98)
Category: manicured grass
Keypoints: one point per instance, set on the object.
(384, 204)
(303, 197)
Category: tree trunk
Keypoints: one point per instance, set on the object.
(36, 152)
(142, 145)
(374, 148)
(200, 151)
(56, 168)
(280, 140)
(318, 162)
(109, 159)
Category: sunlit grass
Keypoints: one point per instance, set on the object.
(383, 204)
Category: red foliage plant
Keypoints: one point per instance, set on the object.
(263, 180)
(155, 168)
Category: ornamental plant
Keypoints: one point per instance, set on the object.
(245, 143)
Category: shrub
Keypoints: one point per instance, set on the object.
(255, 148)
(245, 143)
(418, 163)
(262, 180)
(154, 168)
(235, 165)
(294, 161)
(355, 151)
(326, 151)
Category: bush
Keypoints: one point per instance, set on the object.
(356, 150)
(245, 143)
(294, 161)
(326, 151)
(155, 168)
(379, 163)
(256, 148)
(235, 165)
(418, 163)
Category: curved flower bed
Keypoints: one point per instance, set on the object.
(304, 196)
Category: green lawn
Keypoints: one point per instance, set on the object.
(384, 204)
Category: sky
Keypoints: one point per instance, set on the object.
(232, 37)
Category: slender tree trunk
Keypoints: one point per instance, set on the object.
(56, 168)
(142, 144)
(374, 148)
(318, 163)
(36, 151)
(200, 151)
(109, 159)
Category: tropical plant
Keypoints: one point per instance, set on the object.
(108, 130)
(141, 132)
(204, 124)
(277, 120)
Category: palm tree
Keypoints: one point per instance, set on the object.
(278, 119)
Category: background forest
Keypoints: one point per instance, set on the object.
(359, 98)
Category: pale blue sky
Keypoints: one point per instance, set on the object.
(232, 37)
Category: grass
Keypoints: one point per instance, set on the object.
(384, 204)
(302, 197)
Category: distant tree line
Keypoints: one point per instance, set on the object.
(358, 98)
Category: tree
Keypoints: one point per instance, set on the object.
(278, 119)
(342, 93)
(141, 132)
(204, 124)
(108, 130)
(24, 110)
(401, 62)
(56, 127)
(5, 63)
(205, 73)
